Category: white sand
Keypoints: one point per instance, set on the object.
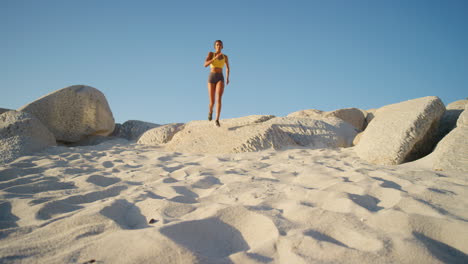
(84, 204)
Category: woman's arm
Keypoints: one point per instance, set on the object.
(209, 59)
(227, 69)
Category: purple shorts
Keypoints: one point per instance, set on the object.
(215, 77)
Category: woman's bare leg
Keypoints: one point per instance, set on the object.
(219, 95)
(211, 94)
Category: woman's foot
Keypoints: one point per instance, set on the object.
(217, 123)
(210, 116)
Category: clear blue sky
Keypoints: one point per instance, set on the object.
(147, 56)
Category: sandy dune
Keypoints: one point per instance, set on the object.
(127, 203)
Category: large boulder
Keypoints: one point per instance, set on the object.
(73, 112)
(21, 134)
(451, 152)
(449, 119)
(255, 133)
(160, 135)
(353, 116)
(401, 132)
(133, 129)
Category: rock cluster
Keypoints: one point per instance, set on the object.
(408, 131)
(68, 115)
(390, 135)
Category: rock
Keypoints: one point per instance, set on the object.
(451, 152)
(309, 113)
(160, 135)
(357, 138)
(458, 105)
(462, 120)
(328, 132)
(116, 131)
(370, 115)
(3, 110)
(449, 119)
(401, 132)
(133, 129)
(353, 116)
(73, 112)
(22, 134)
(255, 133)
(93, 140)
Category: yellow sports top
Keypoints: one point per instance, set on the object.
(218, 63)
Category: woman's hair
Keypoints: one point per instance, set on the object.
(219, 42)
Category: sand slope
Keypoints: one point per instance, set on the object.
(75, 205)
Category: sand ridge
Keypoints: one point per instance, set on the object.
(121, 202)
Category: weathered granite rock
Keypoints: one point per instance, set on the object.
(354, 116)
(449, 119)
(73, 112)
(255, 133)
(462, 120)
(357, 138)
(308, 113)
(370, 115)
(160, 135)
(401, 132)
(21, 134)
(452, 151)
(3, 110)
(133, 129)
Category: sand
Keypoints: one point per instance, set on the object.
(121, 202)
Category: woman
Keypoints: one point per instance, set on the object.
(216, 60)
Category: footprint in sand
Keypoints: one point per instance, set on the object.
(108, 164)
(176, 210)
(125, 214)
(324, 238)
(367, 201)
(388, 184)
(44, 185)
(206, 182)
(208, 237)
(72, 203)
(7, 218)
(169, 180)
(231, 230)
(351, 238)
(13, 173)
(186, 195)
(102, 181)
(442, 251)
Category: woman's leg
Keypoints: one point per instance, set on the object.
(219, 95)
(211, 94)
